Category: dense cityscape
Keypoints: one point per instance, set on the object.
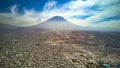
(59, 49)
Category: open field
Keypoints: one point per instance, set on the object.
(58, 49)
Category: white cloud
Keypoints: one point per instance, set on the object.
(108, 2)
(29, 18)
(109, 24)
(14, 9)
(49, 5)
(107, 12)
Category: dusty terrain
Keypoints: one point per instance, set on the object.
(58, 49)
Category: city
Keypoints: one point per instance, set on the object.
(59, 49)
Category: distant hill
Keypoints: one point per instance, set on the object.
(7, 26)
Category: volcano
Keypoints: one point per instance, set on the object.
(56, 23)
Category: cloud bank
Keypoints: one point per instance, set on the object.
(90, 13)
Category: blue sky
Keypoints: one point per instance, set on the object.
(89, 13)
(37, 5)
